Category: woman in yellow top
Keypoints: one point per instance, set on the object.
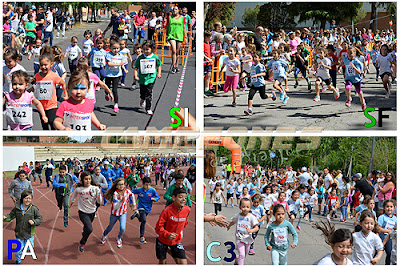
(176, 32)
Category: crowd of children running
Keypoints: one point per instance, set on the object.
(266, 197)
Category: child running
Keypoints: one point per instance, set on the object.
(126, 56)
(73, 53)
(87, 43)
(246, 224)
(324, 64)
(232, 73)
(257, 83)
(11, 58)
(27, 218)
(88, 194)
(120, 197)
(367, 243)
(77, 113)
(169, 231)
(341, 242)
(387, 222)
(147, 69)
(114, 70)
(58, 68)
(276, 238)
(217, 198)
(18, 103)
(384, 62)
(295, 206)
(35, 52)
(258, 211)
(146, 196)
(137, 50)
(98, 59)
(279, 69)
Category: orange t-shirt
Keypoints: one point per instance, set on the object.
(53, 80)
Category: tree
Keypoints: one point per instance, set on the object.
(249, 18)
(275, 16)
(223, 12)
(153, 7)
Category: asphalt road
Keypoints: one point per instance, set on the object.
(301, 111)
(311, 246)
(131, 114)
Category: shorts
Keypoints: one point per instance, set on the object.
(30, 40)
(177, 251)
(238, 195)
(320, 200)
(207, 68)
(280, 79)
(326, 81)
(383, 75)
(332, 208)
(245, 71)
(294, 214)
(229, 195)
(357, 85)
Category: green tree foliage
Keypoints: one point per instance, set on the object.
(275, 16)
(249, 18)
(223, 12)
(153, 6)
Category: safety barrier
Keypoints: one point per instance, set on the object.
(160, 37)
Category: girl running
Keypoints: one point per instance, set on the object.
(323, 66)
(114, 70)
(98, 59)
(232, 73)
(11, 58)
(18, 103)
(276, 237)
(385, 61)
(239, 190)
(120, 196)
(88, 194)
(258, 211)
(87, 43)
(35, 52)
(246, 224)
(387, 222)
(341, 242)
(58, 68)
(279, 70)
(73, 53)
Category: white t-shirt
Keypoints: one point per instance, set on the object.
(88, 196)
(49, 19)
(218, 197)
(242, 223)
(246, 65)
(289, 178)
(212, 184)
(239, 46)
(384, 63)
(233, 64)
(323, 72)
(327, 260)
(268, 201)
(327, 180)
(7, 74)
(87, 46)
(35, 54)
(365, 247)
(73, 52)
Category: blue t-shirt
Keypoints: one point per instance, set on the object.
(229, 189)
(58, 68)
(344, 200)
(115, 71)
(386, 222)
(361, 208)
(257, 69)
(253, 189)
(350, 73)
(144, 198)
(109, 173)
(320, 189)
(239, 189)
(294, 206)
(97, 57)
(118, 173)
(258, 212)
(279, 68)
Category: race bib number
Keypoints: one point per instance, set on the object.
(267, 204)
(280, 236)
(390, 224)
(312, 201)
(242, 226)
(44, 90)
(72, 55)
(275, 68)
(116, 60)
(350, 71)
(86, 48)
(19, 113)
(291, 207)
(333, 202)
(79, 122)
(99, 59)
(253, 79)
(148, 66)
(256, 213)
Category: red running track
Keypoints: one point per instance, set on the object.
(55, 244)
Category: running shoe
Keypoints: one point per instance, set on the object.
(149, 112)
(363, 106)
(285, 100)
(281, 95)
(107, 97)
(336, 93)
(34, 182)
(317, 99)
(119, 243)
(66, 224)
(389, 85)
(298, 227)
(143, 240)
(133, 87)
(387, 95)
(329, 217)
(309, 86)
(103, 239)
(251, 252)
(176, 70)
(122, 84)
(142, 103)
(173, 70)
(81, 247)
(208, 93)
(135, 214)
(116, 110)
(311, 220)
(248, 112)
(233, 104)
(323, 89)
(296, 84)
(273, 95)
(286, 89)
(376, 79)
(348, 102)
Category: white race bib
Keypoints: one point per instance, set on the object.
(311, 202)
(333, 202)
(280, 236)
(72, 55)
(242, 225)
(275, 68)
(19, 113)
(148, 66)
(44, 90)
(390, 224)
(291, 207)
(253, 79)
(116, 60)
(350, 71)
(99, 59)
(267, 203)
(86, 48)
(79, 122)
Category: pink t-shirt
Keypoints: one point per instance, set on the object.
(6, 27)
(91, 94)
(76, 116)
(139, 21)
(293, 45)
(387, 195)
(157, 168)
(19, 111)
(284, 204)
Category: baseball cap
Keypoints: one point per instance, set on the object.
(106, 162)
(304, 169)
(358, 175)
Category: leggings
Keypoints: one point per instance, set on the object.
(261, 90)
(114, 81)
(254, 235)
(231, 80)
(100, 72)
(146, 94)
(157, 177)
(356, 85)
(86, 219)
(333, 74)
(72, 64)
(124, 74)
(388, 250)
(142, 220)
(279, 257)
(309, 210)
(51, 115)
(243, 249)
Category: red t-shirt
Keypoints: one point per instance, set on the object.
(334, 59)
(332, 200)
(207, 52)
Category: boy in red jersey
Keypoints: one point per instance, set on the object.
(172, 221)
